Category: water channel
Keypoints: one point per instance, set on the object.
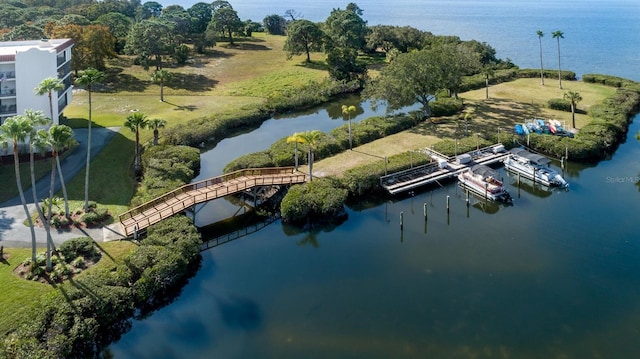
(555, 274)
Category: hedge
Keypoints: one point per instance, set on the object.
(96, 310)
(282, 153)
(319, 199)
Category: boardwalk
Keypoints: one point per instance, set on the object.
(191, 194)
(442, 168)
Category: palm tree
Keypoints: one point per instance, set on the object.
(88, 78)
(156, 124)
(15, 130)
(574, 98)
(540, 35)
(559, 35)
(60, 137)
(38, 143)
(135, 122)
(47, 86)
(161, 77)
(488, 72)
(311, 138)
(296, 139)
(346, 110)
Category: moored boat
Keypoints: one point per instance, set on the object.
(534, 167)
(483, 181)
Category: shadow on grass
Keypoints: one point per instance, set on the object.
(189, 108)
(313, 65)
(116, 81)
(191, 82)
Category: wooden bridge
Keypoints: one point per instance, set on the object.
(182, 198)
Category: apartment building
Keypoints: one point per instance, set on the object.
(23, 65)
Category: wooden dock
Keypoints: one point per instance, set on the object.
(442, 168)
(185, 197)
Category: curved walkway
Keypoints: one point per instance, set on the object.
(13, 232)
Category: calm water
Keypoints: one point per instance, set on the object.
(554, 275)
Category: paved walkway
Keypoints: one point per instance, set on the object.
(13, 231)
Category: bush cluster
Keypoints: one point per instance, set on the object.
(320, 199)
(559, 104)
(79, 247)
(166, 168)
(477, 81)
(282, 153)
(548, 74)
(446, 106)
(96, 310)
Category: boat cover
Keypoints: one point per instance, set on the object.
(537, 159)
(484, 171)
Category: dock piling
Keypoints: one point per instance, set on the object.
(424, 208)
(401, 220)
(447, 204)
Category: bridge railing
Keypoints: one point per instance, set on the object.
(249, 172)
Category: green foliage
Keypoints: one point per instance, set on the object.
(79, 247)
(166, 168)
(446, 106)
(600, 137)
(96, 310)
(281, 153)
(551, 74)
(559, 104)
(303, 37)
(322, 198)
(365, 180)
(474, 82)
(95, 216)
(466, 144)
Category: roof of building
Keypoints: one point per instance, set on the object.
(8, 49)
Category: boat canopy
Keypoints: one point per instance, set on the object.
(484, 171)
(534, 158)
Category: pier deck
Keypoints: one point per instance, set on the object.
(443, 168)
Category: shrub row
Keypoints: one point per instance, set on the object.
(478, 81)
(282, 153)
(559, 104)
(166, 168)
(95, 311)
(548, 74)
(609, 123)
(211, 130)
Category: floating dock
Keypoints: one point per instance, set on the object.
(442, 168)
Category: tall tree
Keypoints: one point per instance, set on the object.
(47, 86)
(573, 97)
(15, 130)
(38, 144)
(118, 25)
(540, 35)
(161, 77)
(226, 20)
(275, 24)
(487, 72)
(156, 124)
(295, 138)
(151, 39)
(149, 9)
(59, 137)
(92, 44)
(347, 110)
(559, 35)
(311, 138)
(303, 37)
(412, 77)
(135, 122)
(88, 79)
(345, 31)
(200, 16)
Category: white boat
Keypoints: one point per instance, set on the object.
(534, 167)
(483, 181)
